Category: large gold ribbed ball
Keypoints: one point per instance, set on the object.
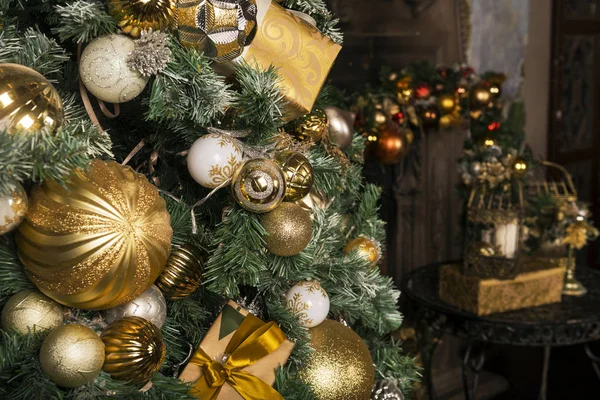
(298, 172)
(183, 274)
(98, 242)
(72, 355)
(289, 229)
(134, 16)
(313, 126)
(28, 101)
(259, 185)
(30, 310)
(341, 367)
(135, 349)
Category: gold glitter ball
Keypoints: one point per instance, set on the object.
(135, 349)
(258, 185)
(289, 229)
(313, 126)
(30, 310)
(98, 242)
(299, 174)
(13, 208)
(367, 249)
(72, 355)
(28, 101)
(341, 367)
(134, 16)
(183, 274)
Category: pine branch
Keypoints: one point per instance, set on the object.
(12, 273)
(82, 21)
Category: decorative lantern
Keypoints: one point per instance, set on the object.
(494, 225)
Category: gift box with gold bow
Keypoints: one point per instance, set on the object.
(237, 358)
(261, 33)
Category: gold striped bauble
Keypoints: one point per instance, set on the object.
(134, 348)
(134, 16)
(99, 241)
(183, 274)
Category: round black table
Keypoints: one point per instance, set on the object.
(576, 320)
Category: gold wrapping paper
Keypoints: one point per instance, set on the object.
(215, 342)
(303, 55)
(488, 296)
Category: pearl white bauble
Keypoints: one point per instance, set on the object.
(309, 302)
(104, 71)
(213, 158)
(150, 305)
(13, 208)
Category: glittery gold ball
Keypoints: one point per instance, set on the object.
(367, 249)
(135, 349)
(98, 242)
(134, 16)
(72, 355)
(446, 103)
(28, 101)
(258, 185)
(341, 367)
(183, 274)
(30, 310)
(13, 208)
(298, 172)
(312, 126)
(289, 229)
(479, 96)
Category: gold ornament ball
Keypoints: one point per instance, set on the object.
(30, 310)
(104, 71)
(380, 117)
(479, 96)
(72, 355)
(97, 242)
(367, 249)
(289, 229)
(520, 167)
(183, 273)
(134, 16)
(259, 185)
(13, 208)
(312, 127)
(298, 173)
(311, 201)
(341, 126)
(135, 349)
(446, 103)
(28, 101)
(341, 367)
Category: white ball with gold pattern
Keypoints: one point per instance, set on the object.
(213, 158)
(309, 301)
(104, 71)
(13, 208)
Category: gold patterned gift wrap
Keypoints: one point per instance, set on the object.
(488, 296)
(302, 54)
(237, 358)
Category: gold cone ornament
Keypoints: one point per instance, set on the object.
(289, 229)
(28, 101)
(298, 173)
(341, 367)
(134, 16)
(258, 185)
(183, 274)
(135, 349)
(98, 242)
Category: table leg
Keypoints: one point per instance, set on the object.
(429, 333)
(545, 367)
(472, 363)
(594, 359)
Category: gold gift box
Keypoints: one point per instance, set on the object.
(488, 296)
(215, 342)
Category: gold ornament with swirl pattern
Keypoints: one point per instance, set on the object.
(98, 242)
(134, 16)
(258, 185)
(135, 349)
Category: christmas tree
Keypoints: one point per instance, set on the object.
(183, 209)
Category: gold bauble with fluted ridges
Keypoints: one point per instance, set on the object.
(134, 16)
(97, 242)
(135, 349)
(183, 274)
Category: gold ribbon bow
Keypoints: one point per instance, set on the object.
(252, 341)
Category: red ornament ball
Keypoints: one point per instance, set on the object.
(422, 91)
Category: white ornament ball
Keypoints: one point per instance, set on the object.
(213, 158)
(104, 71)
(150, 305)
(13, 208)
(309, 301)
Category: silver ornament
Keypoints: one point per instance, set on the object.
(150, 305)
(475, 168)
(494, 151)
(341, 126)
(386, 389)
